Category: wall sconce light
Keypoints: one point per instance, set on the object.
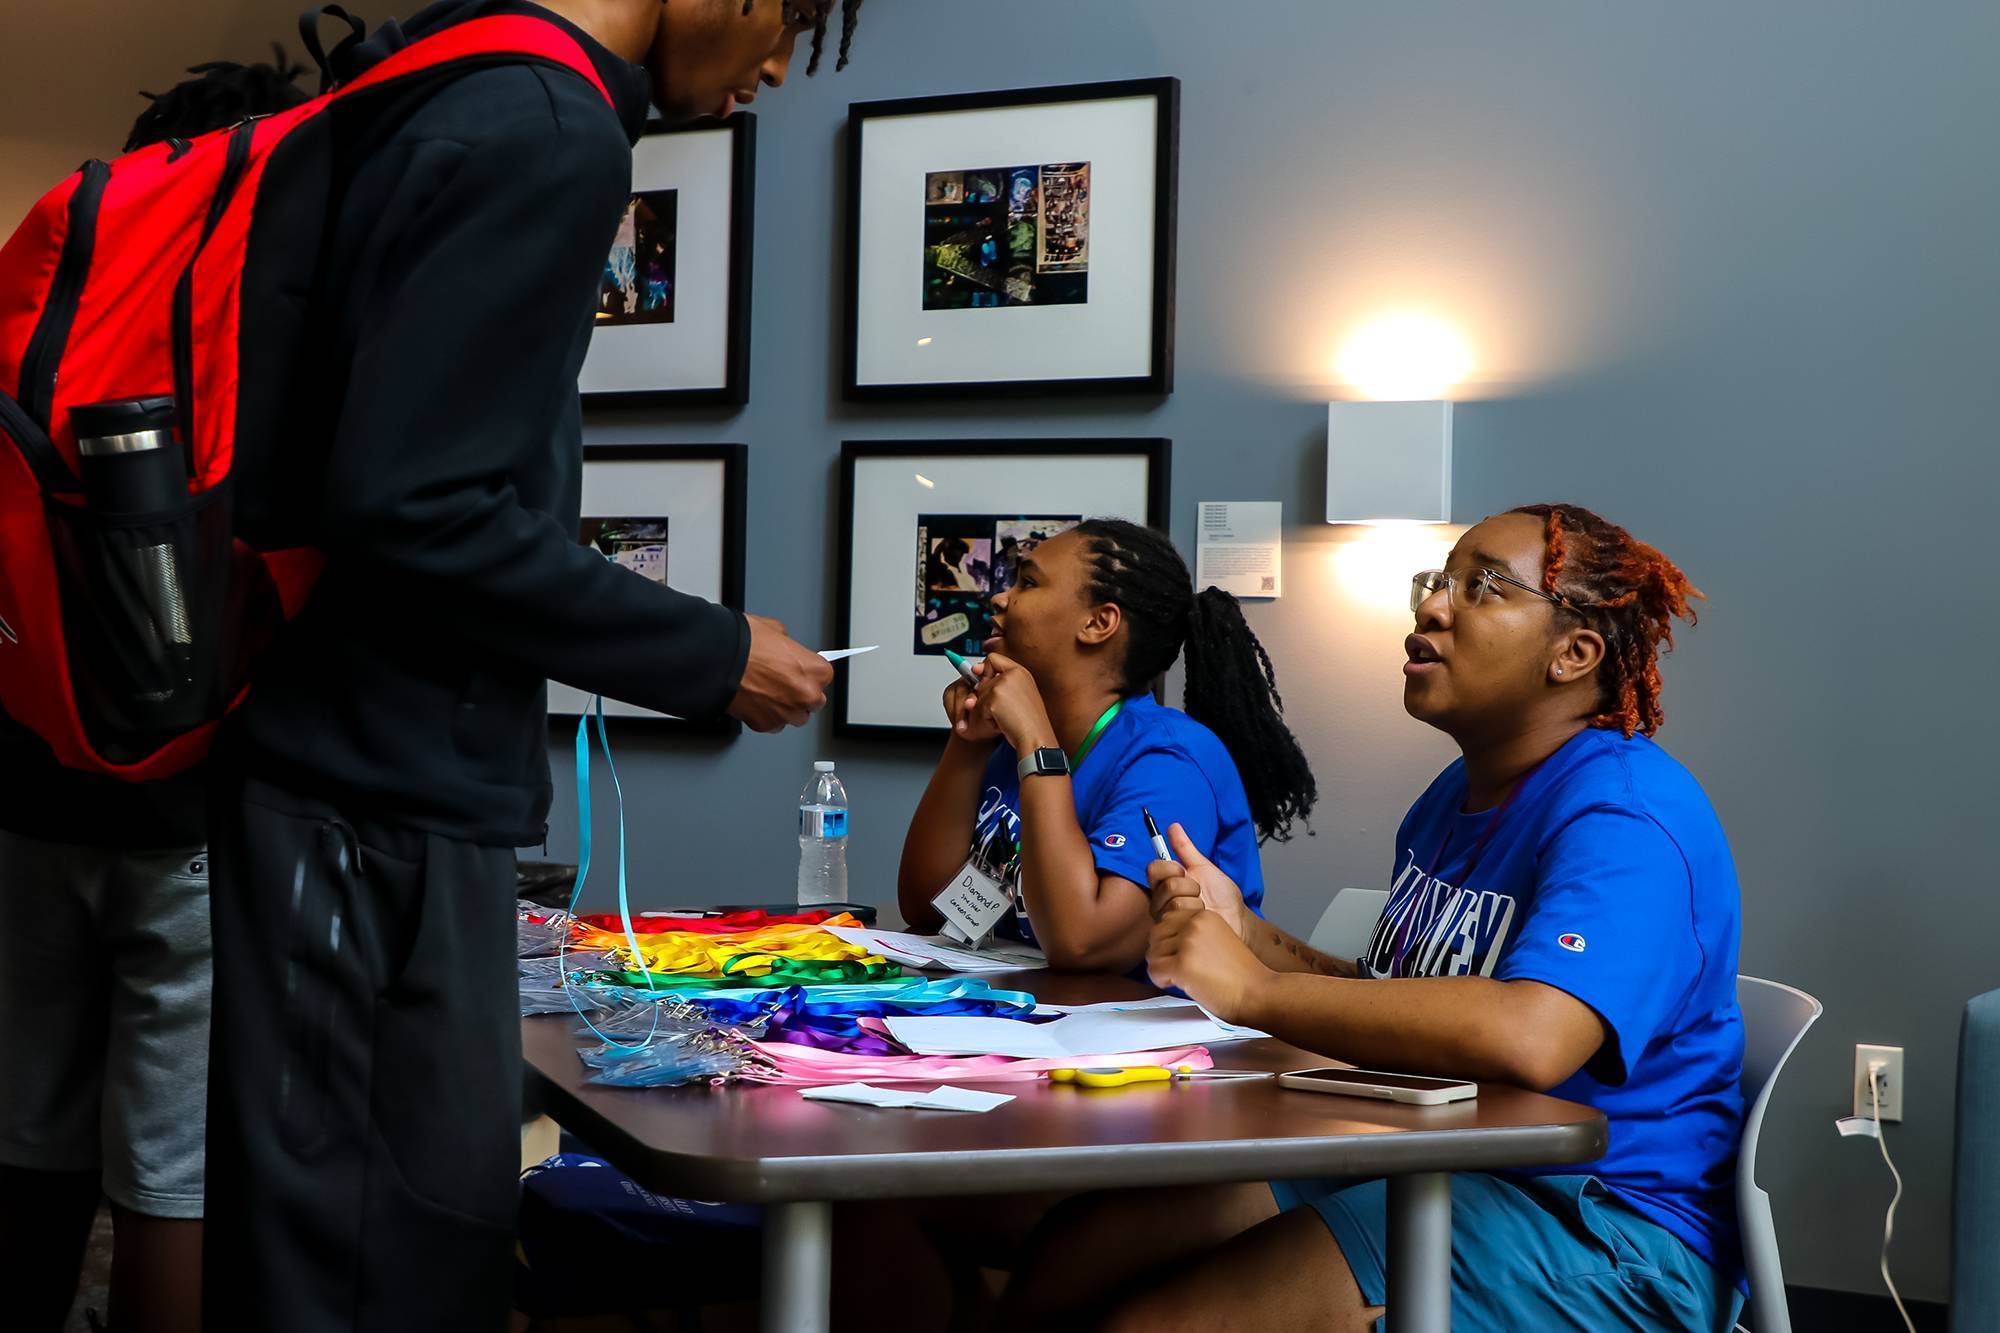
(1388, 462)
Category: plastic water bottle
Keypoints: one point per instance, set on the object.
(823, 838)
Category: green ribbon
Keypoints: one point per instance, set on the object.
(1096, 731)
(784, 972)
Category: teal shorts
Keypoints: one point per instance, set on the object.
(1535, 1252)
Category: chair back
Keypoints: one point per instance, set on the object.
(1975, 1173)
(1775, 1019)
(1348, 922)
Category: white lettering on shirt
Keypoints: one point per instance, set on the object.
(1434, 929)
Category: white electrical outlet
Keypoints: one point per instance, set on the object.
(1888, 1083)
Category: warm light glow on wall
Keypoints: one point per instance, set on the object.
(1374, 566)
(1407, 354)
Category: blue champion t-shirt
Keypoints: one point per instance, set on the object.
(1150, 757)
(1606, 876)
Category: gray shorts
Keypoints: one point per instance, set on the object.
(104, 985)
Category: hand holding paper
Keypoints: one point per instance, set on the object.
(784, 683)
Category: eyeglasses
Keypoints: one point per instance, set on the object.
(1472, 589)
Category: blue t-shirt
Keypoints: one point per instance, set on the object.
(1150, 757)
(1608, 877)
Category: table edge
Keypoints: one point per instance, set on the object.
(902, 1175)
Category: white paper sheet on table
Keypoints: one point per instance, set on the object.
(925, 951)
(941, 1098)
(1087, 1031)
(1117, 1006)
(1234, 1030)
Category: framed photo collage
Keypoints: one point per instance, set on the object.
(998, 245)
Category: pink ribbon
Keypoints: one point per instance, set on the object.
(794, 1066)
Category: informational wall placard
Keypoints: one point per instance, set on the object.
(1240, 548)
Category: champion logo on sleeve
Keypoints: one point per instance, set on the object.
(1114, 840)
(1572, 941)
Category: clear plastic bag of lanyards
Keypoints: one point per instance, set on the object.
(541, 930)
(667, 1015)
(669, 1060)
(571, 967)
(559, 999)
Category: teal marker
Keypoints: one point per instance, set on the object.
(964, 669)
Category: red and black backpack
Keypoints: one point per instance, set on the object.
(165, 285)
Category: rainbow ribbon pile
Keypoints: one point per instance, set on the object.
(784, 978)
(747, 950)
(747, 992)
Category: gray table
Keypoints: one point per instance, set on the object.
(750, 1144)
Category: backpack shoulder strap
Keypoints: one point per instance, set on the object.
(496, 35)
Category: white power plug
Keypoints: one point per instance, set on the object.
(1887, 1064)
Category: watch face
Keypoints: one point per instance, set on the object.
(1044, 762)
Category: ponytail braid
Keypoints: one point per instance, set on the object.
(1231, 688)
(1629, 593)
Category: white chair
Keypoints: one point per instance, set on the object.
(1348, 922)
(1775, 1018)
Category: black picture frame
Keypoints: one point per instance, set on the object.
(1159, 380)
(1157, 451)
(734, 391)
(735, 460)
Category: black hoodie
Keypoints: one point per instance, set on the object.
(455, 306)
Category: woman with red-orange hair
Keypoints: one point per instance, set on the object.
(1562, 916)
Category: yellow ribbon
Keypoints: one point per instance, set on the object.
(748, 953)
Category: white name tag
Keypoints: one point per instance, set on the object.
(972, 904)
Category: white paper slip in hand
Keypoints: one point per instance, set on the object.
(835, 654)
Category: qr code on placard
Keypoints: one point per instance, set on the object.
(1270, 583)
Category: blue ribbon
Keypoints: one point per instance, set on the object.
(952, 996)
(583, 862)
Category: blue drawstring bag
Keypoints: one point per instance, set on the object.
(582, 1218)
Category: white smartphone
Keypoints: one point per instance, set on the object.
(1416, 1089)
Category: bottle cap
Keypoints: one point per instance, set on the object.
(125, 416)
(823, 766)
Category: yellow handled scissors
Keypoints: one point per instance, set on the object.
(1118, 1077)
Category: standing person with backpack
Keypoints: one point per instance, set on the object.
(104, 1000)
(366, 1068)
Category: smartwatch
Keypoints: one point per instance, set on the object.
(1051, 762)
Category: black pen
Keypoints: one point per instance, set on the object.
(1153, 832)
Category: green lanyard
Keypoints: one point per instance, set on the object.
(1083, 750)
(1096, 732)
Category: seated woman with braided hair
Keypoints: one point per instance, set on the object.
(1096, 616)
(1563, 916)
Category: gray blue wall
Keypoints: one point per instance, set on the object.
(1729, 273)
